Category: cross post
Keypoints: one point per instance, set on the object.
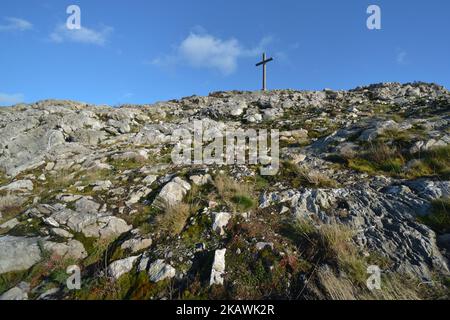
(263, 63)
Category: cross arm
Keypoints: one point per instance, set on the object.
(264, 62)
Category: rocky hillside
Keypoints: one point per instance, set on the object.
(363, 181)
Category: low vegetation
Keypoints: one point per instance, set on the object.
(439, 218)
(173, 219)
(10, 207)
(301, 176)
(238, 196)
(390, 159)
(339, 269)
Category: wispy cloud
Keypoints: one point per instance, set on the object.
(10, 99)
(15, 24)
(401, 56)
(83, 35)
(202, 50)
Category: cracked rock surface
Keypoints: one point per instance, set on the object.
(364, 179)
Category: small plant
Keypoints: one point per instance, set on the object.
(329, 243)
(243, 202)
(10, 207)
(439, 218)
(379, 157)
(299, 176)
(238, 196)
(128, 164)
(96, 249)
(173, 219)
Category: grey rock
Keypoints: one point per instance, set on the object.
(10, 224)
(20, 292)
(91, 225)
(136, 196)
(218, 268)
(72, 249)
(120, 267)
(159, 271)
(200, 180)
(49, 294)
(173, 192)
(18, 253)
(386, 220)
(135, 245)
(61, 233)
(87, 206)
(19, 186)
(262, 245)
(220, 221)
(101, 185)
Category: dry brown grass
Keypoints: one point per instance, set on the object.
(10, 207)
(173, 220)
(238, 196)
(336, 288)
(318, 179)
(341, 270)
(298, 176)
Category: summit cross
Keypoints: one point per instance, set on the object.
(263, 63)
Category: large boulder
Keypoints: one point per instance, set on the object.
(120, 267)
(18, 253)
(173, 192)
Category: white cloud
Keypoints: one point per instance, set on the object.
(83, 35)
(10, 99)
(202, 50)
(16, 24)
(401, 57)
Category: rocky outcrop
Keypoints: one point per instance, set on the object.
(384, 215)
(97, 185)
(18, 253)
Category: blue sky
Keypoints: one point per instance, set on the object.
(140, 51)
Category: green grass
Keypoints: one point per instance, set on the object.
(11, 279)
(381, 158)
(128, 164)
(299, 176)
(329, 243)
(3, 178)
(439, 218)
(261, 183)
(438, 161)
(130, 286)
(258, 275)
(95, 248)
(243, 202)
(195, 233)
(238, 196)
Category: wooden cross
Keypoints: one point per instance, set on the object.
(263, 63)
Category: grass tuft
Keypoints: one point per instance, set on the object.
(237, 195)
(439, 218)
